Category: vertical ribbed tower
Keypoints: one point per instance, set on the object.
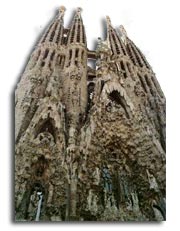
(90, 143)
(75, 76)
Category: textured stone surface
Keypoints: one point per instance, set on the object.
(91, 142)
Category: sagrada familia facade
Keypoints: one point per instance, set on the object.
(90, 142)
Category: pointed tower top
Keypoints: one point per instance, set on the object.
(122, 30)
(78, 12)
(62, 10)
(108, 21)
(77, 31)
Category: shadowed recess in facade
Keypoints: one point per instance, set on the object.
(90, 130)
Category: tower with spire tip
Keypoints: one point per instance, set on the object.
(89, 142)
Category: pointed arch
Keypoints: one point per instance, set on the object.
(46, 126)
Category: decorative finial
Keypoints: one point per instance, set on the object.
(78, 11)
(62, 9)
(123, 31)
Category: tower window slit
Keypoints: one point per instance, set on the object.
(62, 61)
(78, 34)
(76, 56)
(142, 83)
(46, 54)
(58, 36)
(52, 56)
(130, 55)
(58, 59)
(123, 69)
(137, 57)
(82, 55)
(39, 52)
(117, 48)
(115, 42)
(42, 64)
(70, 57)
(72, 37)
(70, 54)
(52, 36)
(72, 34)
(79, 97)
(111, 42)
(122, 47)
(53, 33)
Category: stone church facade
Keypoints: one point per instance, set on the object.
(90, 142)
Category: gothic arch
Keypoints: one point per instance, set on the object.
(46, 127)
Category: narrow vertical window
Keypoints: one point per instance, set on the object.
(76, 57)
(78, 34)
(123, 69)
(46, 53)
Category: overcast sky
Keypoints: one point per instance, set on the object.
(154, 27)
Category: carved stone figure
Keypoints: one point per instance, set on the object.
(90, 143)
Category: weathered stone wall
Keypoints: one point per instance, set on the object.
(90, 144)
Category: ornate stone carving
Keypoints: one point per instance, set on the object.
(90, 144)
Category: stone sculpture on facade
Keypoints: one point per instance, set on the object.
(90, 143)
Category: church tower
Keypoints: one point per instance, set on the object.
(90, 143)
(75, 76)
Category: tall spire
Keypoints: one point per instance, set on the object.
(114, 40)
(77, 31)
(55, 31)
(133, 51)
